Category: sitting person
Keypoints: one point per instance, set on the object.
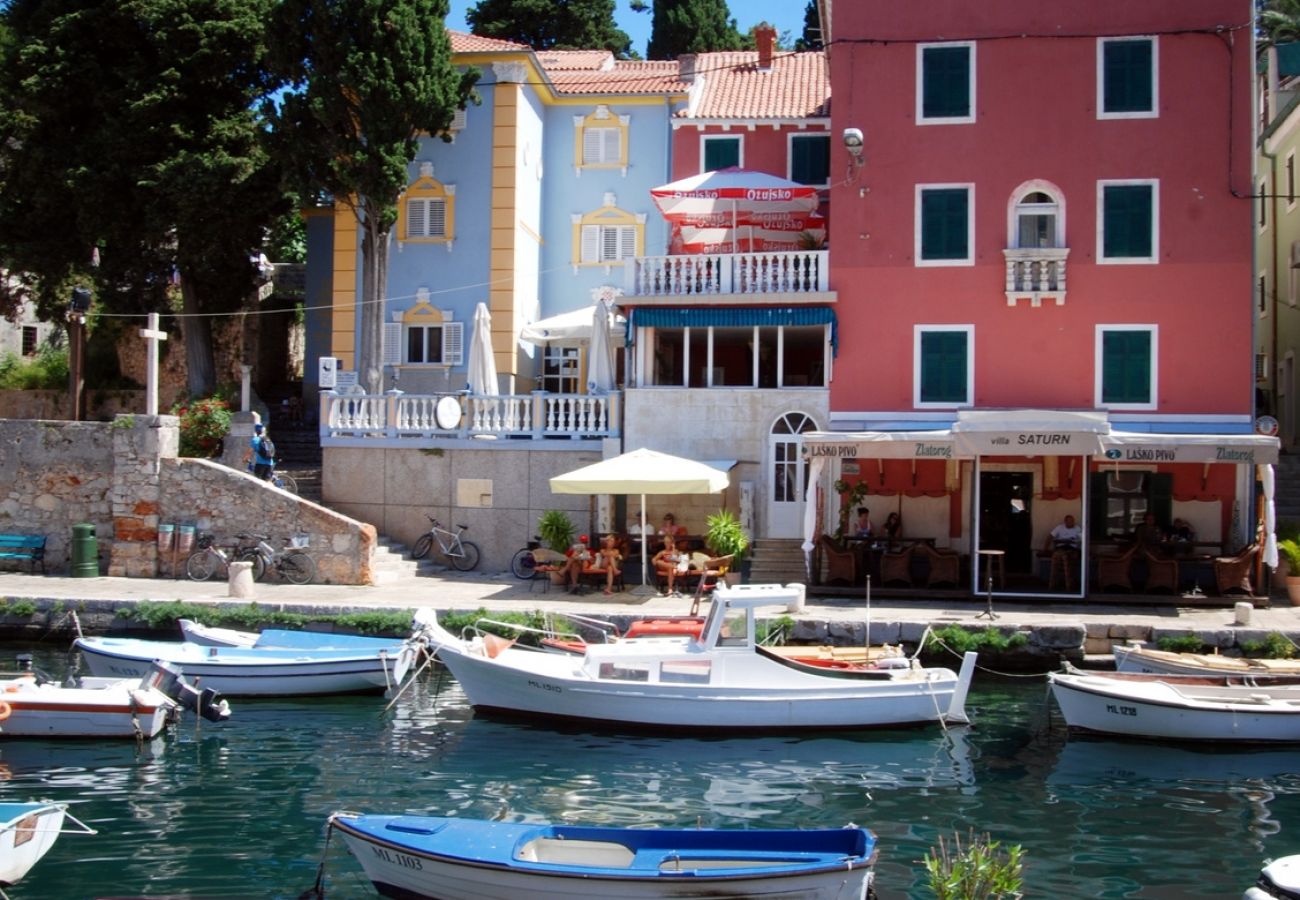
(671, 527)
(579, 560)
(670, 562)
(862, 527)
(607, 559)
(893, 526)
(1149, 535)
(1065, 536)
(1182, 531)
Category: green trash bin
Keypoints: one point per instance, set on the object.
(85, 551)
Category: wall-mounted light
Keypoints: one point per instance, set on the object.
(853, 144)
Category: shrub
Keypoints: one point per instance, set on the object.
(47, 370)
(1274, 646)
(991, 640)
(977, 871)
(1183, 643)
(204, 424)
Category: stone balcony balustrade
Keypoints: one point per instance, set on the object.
(1036, 274)
(777, 274)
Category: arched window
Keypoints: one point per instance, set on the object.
(1036, 217)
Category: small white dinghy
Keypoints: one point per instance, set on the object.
(1279, 879)
(1137, 658)
(27, 832)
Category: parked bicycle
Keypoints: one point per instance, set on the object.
(280, 479)
(208, 558)
(461, 554)
(524, 563)
(290, 562)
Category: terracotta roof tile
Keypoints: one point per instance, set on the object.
(474, 43)
(624, 77)
(569, 60)
(735, 88)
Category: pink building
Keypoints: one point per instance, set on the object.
(1043, 246)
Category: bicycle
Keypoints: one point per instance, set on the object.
(204, 561)
(279, 479)
(463, 555)
(289, 561)
(524, 563)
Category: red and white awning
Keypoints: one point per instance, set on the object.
(733, 196)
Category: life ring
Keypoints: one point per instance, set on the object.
(5, 710)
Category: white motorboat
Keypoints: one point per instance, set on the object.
(434, 857)
(256, 671)
(1178, 707)
(27, 832)
(720, 680)
(1137, 658)
(1279, 879)
(283, 639)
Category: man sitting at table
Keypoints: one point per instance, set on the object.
(862, 528)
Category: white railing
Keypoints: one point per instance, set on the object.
(1035, 274)
(791, 272)
(537, 416)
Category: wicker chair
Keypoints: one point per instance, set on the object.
(945, 566)
(1162, 574)
(1114, 571)
(1232, 573)
(841, 564)
(896, 567)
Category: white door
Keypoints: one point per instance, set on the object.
(787, 475)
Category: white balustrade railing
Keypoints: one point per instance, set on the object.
(1035, 274)
(787, 272)
(537, 416)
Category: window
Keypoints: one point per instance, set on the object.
(1036, 221)
(1126, 78)
(720, 152)
(945, 222)
(424, 336)
(427, 210)
(1263, 205)
(560, 370)
(1262, 290)
(601, 140)
(1290, 180)
(943, 367)
(1120, 500)
(810, 158)
(30, 340)
(607, 236)
(788, 356)
(1129, 225)
(945, 84)
(1126, 366)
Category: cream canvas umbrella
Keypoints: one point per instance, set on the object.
(642, 472)
(600, 358)
(482, 377)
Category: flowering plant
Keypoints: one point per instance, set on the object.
(204, 423)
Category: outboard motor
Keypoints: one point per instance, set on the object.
(206, 702)
(1279, 879)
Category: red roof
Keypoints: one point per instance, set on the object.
(735, 88)
(473, 43)
(597, 72)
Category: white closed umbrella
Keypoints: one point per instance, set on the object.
(1270, 518)
(600, 356)
(482, 378)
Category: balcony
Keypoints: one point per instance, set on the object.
(1036, 274)
(763, 276)
(537, 416)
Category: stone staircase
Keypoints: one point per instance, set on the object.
(392, 562)
(776, 561)
(1286, 495)
(298, 446)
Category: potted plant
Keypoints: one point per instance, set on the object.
(1290, 550)
(725, 537)
(557, 532)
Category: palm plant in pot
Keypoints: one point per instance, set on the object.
(725, 537)
(1289, 548)
(557, 532)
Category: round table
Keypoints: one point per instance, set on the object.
(991, 557)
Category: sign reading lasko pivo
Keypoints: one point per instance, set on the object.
(900, 449)
(1249, 452)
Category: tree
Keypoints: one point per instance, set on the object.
(1279, 22)
(691, 26)
(811, 39)
(129, 131)
(551, 24)
(368, 78)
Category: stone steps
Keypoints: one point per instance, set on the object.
(776, 561)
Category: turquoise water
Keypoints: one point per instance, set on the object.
(237, 810)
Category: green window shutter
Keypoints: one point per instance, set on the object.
(1160, 497)
(945, 93)
(721, 154)
(1097, 504)
(1126, 367)
(944, 221)
(810, 159)
(1127, 217)
(943, 367)
(1128, 73)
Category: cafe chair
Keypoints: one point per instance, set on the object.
(1232, 573)
(1162, 574)
(841, 563)
(945, 566)
(896, 567)
(1115, 571)
(711, 572)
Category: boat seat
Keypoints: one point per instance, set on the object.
(601, 854)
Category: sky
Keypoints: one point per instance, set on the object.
(784, 15)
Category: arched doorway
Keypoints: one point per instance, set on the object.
(787, 474)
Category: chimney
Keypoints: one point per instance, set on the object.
(765, 38)
(686, 67)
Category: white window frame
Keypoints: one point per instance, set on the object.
(426, 204)
(607, 154)
(1101, 331)
(1154, 112)
(1014, 207)
(1154, 258)
(969, 259)
(396, 339)
(739, 138)
(917, 332)
(599, 237)
(920, 85)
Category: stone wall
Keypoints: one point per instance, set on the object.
(124, 478)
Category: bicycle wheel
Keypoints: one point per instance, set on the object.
(201, 565)
(422, 546)
(286, 482)
(468, 557)
(250, 554)
(524, 564)
(298, 568)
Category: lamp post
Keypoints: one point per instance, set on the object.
(78, 306)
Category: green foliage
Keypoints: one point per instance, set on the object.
(1184, 643)
(773, 631)
(979, 870)
(458, 623)
(204, 424)
(811, 38)
(1290, 548)
(21, 608)
(724, 535)
(691, 26)
(47, 370)
(556, 530)
(1273, 646)
(990, 640)
(547, 25)
(850, 497)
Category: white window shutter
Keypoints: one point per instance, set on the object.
(611, 149)
(453, 342)
(437, 223)
(458, 121)
(415, 218)
(592, 145)
(590, 244)
(626, 242)
(391, 340)
(609, 243)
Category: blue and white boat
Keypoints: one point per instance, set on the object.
(281, 638)
(257, 671)
(433, 857)
(27, 832)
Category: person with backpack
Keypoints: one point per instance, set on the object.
(261, 452)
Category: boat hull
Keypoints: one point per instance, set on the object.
(1155, 709)
(447, 858)
(1146, 660)
(120, 708)
(251, 672)
(27, 832)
